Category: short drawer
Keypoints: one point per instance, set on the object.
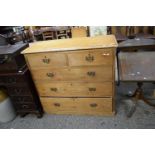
(75, 89)
(46, 60)
(90, 106)
(14, 91)
(11, 79)
(98, 73)
(22, 99)
(91, 57)
(25, 107)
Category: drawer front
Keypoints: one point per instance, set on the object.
(24, 107)
(92, 106)
(76, 89)
(22, 99)
(14, 91)
(100, 73)
(46, 60)
(11, 80)
(91, 57)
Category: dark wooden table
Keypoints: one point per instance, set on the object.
(136, 63)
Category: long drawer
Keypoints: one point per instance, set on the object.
(75, 89)
(90, 106)
(98, 73)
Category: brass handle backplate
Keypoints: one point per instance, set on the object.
(57, 104)
(53, 89)
(91, 73)
(93, 105)
(92, 89)
(46, 60)
(50, 75)
(89, 58)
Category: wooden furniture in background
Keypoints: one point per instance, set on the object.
(120, 32)
(48, 35)
(16, 78)
(79, 32)
(136, 64)
(74, 76)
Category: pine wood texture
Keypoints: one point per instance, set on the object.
(87, 74)
(80, 106)
(74, 76)
(75, 89)
(72, 44)
(79, 32)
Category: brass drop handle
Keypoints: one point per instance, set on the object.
(89, 58)
(93, 105)
(92, 89)
(53, 89)
(46, 60)
(57, 104)
(50, 75)
(91, 73)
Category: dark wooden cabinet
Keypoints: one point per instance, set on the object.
(10, 58)
(16, 78)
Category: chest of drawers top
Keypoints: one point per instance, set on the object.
(72, 44)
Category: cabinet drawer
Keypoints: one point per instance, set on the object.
(14, 91)
(100, 73)
(90, 106)
(11, 80)
(75, 89)
(46, 60)
(25, 107)
(91, 57)
(21, 99)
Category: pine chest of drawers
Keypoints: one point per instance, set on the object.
(74, 76)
